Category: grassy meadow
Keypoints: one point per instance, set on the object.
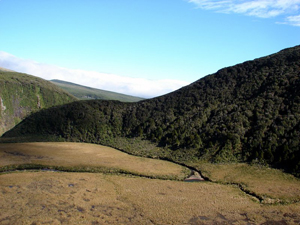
(69, 156)
(95, 198)
(271, 185)
(102, 185)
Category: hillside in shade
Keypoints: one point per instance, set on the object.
(86, 93)
(22, 94)
(249, 112)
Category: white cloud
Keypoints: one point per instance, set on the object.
(294, 20)
(111, 82)
(258, 8)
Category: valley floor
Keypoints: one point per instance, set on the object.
(86, 198)
(106, 186)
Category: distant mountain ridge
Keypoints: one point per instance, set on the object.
(86, 93)
(249, 112)
(7, 70)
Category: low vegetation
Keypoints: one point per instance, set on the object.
(271, 186)
(114, 188)
(85, 158)
(268, 185)
(86, 198)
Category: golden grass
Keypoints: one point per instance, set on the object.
(86, 198)
(86, 156)
(95, 198)
(272, 184)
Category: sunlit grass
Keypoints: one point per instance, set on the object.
(86, 198)
(111, 198)
(86, 157)
(273, 185)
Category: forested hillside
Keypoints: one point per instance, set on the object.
(22, 94)
(248, 112)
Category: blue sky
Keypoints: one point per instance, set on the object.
(141, 47)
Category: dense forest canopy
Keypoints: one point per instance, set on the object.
(247, 112)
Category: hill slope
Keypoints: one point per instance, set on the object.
(85, 93)
(22, 94)
(7, 70)
(248, 112)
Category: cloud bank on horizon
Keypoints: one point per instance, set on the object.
(126, 85)
(257, 8)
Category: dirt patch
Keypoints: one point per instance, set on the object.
(194, 177)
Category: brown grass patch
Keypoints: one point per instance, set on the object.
(85, 198)
(73, 155)
(272, 184)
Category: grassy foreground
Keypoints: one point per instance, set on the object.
(82, 157)
(111, 197)
(89, 198)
